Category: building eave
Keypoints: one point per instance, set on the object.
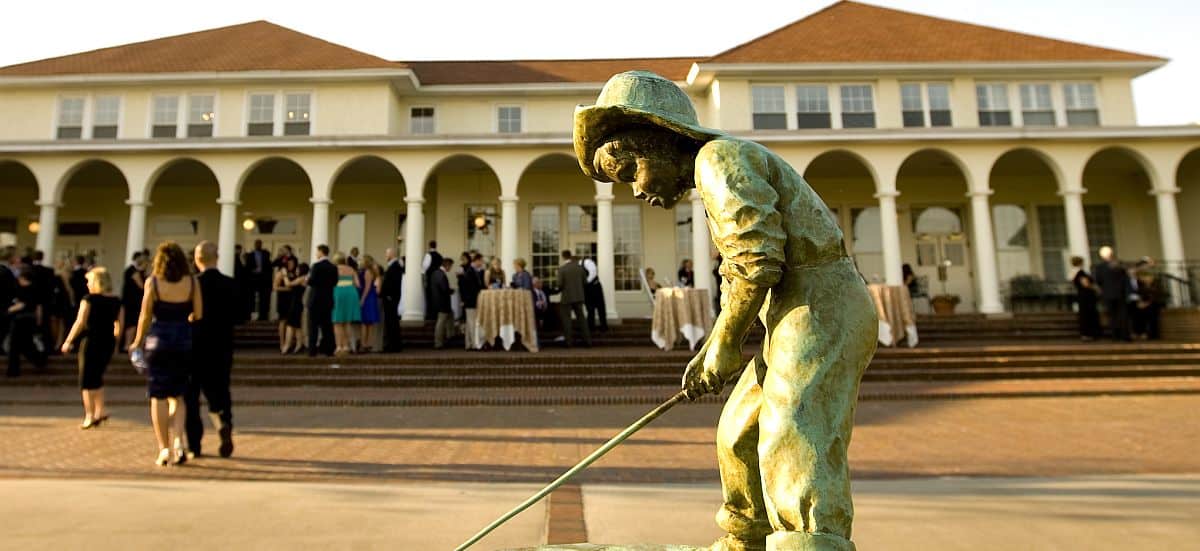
(398, 74)
(701, 74)
(564, 139)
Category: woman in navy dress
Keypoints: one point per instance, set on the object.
(171, 304)
(369, 302)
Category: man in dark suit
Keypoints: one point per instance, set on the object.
(322, 277)
(258, 262)
(352, 258)
(8, 288)
(44, 287)
(470, 283)
(212, 345)
(391, 289)
(241, 276)
(1115, 288)
(77, 282)
(571, 281)
(439, 295)
(430, 264)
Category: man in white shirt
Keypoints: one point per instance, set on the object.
(594, 296)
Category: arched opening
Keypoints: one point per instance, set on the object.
(183, 204)
(94, 219)
(1118, 210)
(19, 210)
(275, 207)
(557, 212)
(1187, 179)
(933, 218)
(368, 211)
(462, 207)
(1028, 218)
(846, 183)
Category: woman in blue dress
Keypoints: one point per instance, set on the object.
(369, 304)
(345, 304)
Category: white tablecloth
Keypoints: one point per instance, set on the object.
(680, 312)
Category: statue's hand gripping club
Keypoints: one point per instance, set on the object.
(720, 359)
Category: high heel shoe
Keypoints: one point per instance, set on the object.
(164, 456)
(88, 423)
(180, 455)
(97, 421)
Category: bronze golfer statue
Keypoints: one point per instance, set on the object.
(783, 436)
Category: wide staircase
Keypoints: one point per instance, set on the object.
(959, 357)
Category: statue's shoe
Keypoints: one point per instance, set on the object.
(733, 543)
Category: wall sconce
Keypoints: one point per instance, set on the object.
(35, 226)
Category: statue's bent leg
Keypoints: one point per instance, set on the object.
(809, 395)
(744, 514)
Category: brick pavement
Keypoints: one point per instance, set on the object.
(969, 437)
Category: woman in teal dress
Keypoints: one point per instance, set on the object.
(345, 304)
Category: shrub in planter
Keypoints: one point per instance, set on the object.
(944, 304)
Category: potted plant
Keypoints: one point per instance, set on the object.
(944, 304)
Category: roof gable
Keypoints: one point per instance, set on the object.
(852, 32)
(254, 46)
(544, 71)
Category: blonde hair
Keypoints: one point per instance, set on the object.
(100, 276)
(520, 262)
(339, 259)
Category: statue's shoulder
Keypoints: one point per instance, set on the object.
(728, 151)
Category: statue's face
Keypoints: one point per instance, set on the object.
(657, 176)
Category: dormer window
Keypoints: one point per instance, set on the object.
(166, 117)
(812, 106)
(508, 119)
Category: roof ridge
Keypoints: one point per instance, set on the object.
(780, 29)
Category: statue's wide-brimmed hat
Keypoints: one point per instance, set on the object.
(634, 98)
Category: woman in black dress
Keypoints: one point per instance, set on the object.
(287, 305)
(98, 327)
(164, 333)
(1086, 293)
(132, 287)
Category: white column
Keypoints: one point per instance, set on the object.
(320, 225)
(1077, 239)
(508, 230)
(606, 248)
(986, 274)
(701, 257)
(47, 229)
(414, 247)
(1169, 231)
(889, 228)
(227, 236)
(135, 238)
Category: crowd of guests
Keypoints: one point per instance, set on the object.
(181, 341)
(1131, 294)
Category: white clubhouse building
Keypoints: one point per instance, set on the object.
(936, 143)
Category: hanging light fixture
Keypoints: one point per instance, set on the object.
(35, 226)
(480, 221)
(249, 224)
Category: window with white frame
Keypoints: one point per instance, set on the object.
(939, 104)
(1082, 108)
(106, 113)
(165, 120)
(260, 119)
(812, 106)
(1036, 107)
(925, 105)
(769, 107)
(858, 106)
(545, 227)
(297, 118)
(421, 120)
(993, 105)
(912, 105)
(627, 243)
(508, 119)
(200, 116)
(70, 119)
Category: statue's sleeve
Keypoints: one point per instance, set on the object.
(746, 226)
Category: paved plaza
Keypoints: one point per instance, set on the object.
(1012, 473)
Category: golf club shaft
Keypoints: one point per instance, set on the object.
(616, 440)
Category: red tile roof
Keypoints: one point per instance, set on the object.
(853, 32)
(543, 71)
(843, 32)
(254, 46)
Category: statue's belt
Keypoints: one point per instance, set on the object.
(814, 264)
